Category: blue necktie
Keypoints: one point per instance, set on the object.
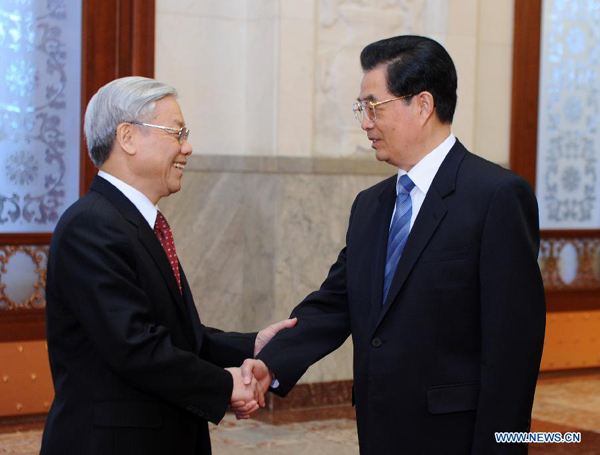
(398, 231)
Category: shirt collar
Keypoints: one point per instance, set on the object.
(141, 202)
(424, 171)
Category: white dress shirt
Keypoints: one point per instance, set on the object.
(141, 202)
(422, 175)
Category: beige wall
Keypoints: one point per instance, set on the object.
(277, 78)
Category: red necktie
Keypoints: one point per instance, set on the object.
(165, 237)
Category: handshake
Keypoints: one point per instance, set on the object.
(252, 380)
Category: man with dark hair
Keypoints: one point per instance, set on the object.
(134, 370)
(438, 283)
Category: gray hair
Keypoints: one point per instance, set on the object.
(123, 100)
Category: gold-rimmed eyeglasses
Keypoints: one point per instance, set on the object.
(182, 132)
(367, 108)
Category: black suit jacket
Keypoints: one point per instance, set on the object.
(454, 354)
(134, 371)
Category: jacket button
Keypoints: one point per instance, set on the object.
(376, 342)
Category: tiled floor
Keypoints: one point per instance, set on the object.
(563, 403)
(567, 403)
(244, 438)
(326, 437)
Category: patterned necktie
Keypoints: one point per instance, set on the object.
(165, 237)
(398, 232)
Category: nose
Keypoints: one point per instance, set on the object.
(366, 123)
(186, 148)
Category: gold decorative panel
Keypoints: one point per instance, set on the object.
(572, 340)
(25, 380)
(570, 263)
(23, 276)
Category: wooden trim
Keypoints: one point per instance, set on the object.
(118, 41)
(98, 62)
(552, 376)
(14, 424)
(22, 325)
(572, 300)
(569, 233)
(26, 239)
(136, 38)
(525, 88)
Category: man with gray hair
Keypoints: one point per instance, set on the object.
(134, 370)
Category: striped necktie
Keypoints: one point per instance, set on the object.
(398, 231)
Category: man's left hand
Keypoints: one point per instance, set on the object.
(266, 334)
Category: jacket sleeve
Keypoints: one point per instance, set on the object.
(96, 278)
(323, 326)
(226, 349)
(512, 316)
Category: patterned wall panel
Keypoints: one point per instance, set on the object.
(40, 68)
(23, 277)
(570, 263)
(568, 166)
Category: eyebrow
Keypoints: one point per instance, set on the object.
(179, 123)
(367, 98)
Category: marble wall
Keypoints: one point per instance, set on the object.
(266, 88)
(255, 241)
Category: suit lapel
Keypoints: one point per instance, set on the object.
(386, 202)
(194, 318)
(184, 300)
(430, 216)
(146, 236)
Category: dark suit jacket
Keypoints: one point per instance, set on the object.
(134, 371)
(454, 354)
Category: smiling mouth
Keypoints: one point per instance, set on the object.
(179, 166)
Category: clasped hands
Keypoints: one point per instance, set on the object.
(250, 383)
(252, 380)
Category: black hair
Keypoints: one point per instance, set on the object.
(416, 64)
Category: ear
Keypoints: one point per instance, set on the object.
(125, 137)
(426, 106)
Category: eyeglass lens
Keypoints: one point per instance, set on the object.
(183, 134)
(362, 109)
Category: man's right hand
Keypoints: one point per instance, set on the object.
(256, 369)
(246, 396)
(253, 371)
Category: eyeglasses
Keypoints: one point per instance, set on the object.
(182, 132)
(367, 108)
